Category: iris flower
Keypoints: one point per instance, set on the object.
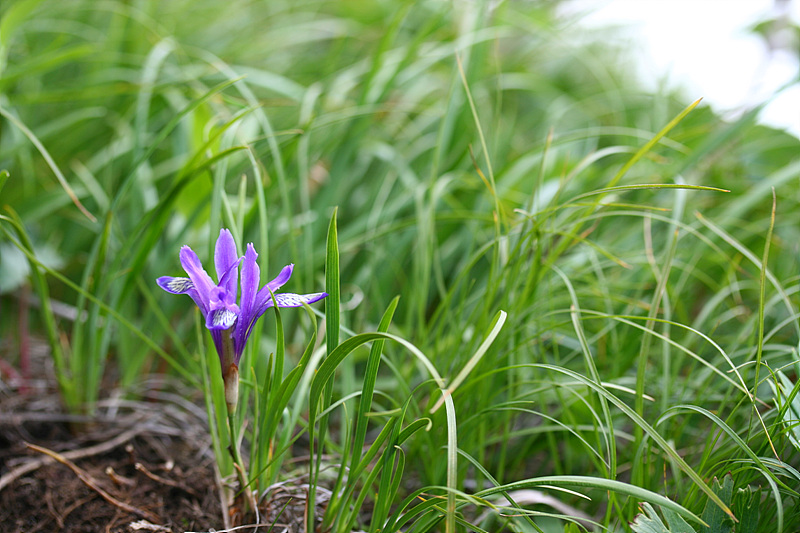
(231, 323)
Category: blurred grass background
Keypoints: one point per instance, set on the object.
(467, 147)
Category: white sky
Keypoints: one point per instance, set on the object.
(704, 47)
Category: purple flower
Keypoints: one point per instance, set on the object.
(231, 323)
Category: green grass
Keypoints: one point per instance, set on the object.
(537, 278)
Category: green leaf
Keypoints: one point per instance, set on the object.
(676, 522)
(746, 503)
(649, 522)
(332, 340)
(332, 286)
(496, 326)
(641, 494)
(717, 520)
(658, 438)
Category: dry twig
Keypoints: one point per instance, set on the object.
(92, 484)
(158, 479)
(97, 449)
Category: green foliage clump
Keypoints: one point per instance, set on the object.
(596, 316)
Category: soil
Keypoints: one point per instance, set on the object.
(134, 467)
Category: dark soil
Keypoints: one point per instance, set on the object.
(142, 466)
(135, 465)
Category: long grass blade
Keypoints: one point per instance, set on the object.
(48, 159)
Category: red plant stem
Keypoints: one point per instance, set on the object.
(8, 370)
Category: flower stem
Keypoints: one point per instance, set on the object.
(249, 499)
(230, 372)
(230, 379)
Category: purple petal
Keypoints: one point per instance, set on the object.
(287, 299)
(183, 286)
(220, 298)
(281, 279)
(230, 275)
(247, 318)
(222, 318)
(284, 299)
(224, 258)
(200, 278)
(250, 277)
(175, 285)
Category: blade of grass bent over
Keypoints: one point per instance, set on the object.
(640, 494)
(758, 461)
(647, 428)
(327, 369)
(49, 160)
(497, 324)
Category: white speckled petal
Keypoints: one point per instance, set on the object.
(287, 299)
(175, 285)
(221, 319)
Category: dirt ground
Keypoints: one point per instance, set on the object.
(143, 464)
(136, 466)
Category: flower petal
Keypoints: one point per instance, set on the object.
(284, 299)
(200, 278)
(175, 285)
(282, 278)
(220, 298)
(250, 278)
(224, 258)
(263, 295)
(222, 318)
(183, 286)
(287, 299)
(247, 317)
(230, 275)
